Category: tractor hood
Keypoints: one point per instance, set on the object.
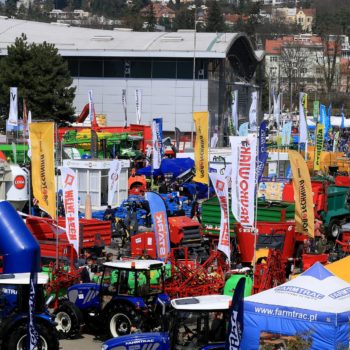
(19, 248)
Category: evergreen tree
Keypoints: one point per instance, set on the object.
(184, 19)
(215, 21)
(42, 78)
(10, 7)
(151, 18)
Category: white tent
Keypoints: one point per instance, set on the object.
(316, 302)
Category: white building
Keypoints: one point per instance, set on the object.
(161, 65)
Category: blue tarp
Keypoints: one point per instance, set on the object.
(176, 166)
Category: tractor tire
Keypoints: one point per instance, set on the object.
(120, 320)
(334, 229)
(69, 319)
(17, 339)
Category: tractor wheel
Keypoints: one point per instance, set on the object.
(17, 339)
(69, 319)
(120, 320)
(334, 229)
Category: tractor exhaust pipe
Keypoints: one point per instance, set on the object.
(19, 248)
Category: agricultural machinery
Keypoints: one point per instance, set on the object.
(129, 293)
(193, 323)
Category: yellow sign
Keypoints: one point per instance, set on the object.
(304, 208)
(319, 137)
(201, 147)
(43, 165)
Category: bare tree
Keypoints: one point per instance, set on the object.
(327, 60)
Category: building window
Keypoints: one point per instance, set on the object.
(141, 69)
(164, 69)
(273, 59)
(303, 70)
(185, 69)
(73, 66)
(113, 68)
(91, 68)
(318, 70)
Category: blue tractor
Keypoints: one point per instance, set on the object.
(193, 323)
(127, 294)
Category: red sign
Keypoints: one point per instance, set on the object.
(19, 182)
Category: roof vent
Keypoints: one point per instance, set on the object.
(172, 38)
(102, 38)
(185, 30)
(123, 29)
(60, 24)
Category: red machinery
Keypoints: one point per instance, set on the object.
(137, 185)
(190, 278)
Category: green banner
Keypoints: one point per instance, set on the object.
(316, 111)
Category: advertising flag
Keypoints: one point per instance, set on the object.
(276, 108)
(316, 111)
(43, 165)
(124, 102)
(323, 114)
(33, 338)
(286, 133)
(138, 103)
(302, 120)
(243, 151)
(113, 179)
(319, 138)
(13, 115)
(243, 129)
(71, 205)
(201, 147)
(160, 224)
(157, 137)
(263, 154)
(235, 328)
(335, 141)
(177, 138)
(304, 207)
(234, 95)
(91, 107)
(342, 124)
(253, 112)
(25, 119)
(221, 189)
(327, 121)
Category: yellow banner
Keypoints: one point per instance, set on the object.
(201, 147)
(319, 137)
(43, 165)
(304, 208)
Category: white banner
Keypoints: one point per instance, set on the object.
(253, 112)
(138, 102)
(71, 205)
(113, 179)
(234, 95)
(243, 178)
(157, 143)
(13, 115)
(276, 108)
(91, 107)
(302, 121)
(29, 153)
(214, 140)
(124, 102)
(221, 189)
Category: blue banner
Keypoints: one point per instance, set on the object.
(262, 158)
(324, 119)
(243, 129)
(33, 336)
(235, 329)
(157, 137)
(342, 125)
(160, 224)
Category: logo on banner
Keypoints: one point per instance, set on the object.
(19, 182)
(234, 340)
(299, 291)
(161, 228)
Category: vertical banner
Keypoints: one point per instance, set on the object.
(177, 138)
(33, 337)
(157, 137)
(91, 107)
(335, 141)
(243, 129)
(124, 102)
(201, 147)
(25, 119)
(263, 154)
(160, 224)
(319, 138)
(214, 140)
(138, 103)
(286, 133)
(221, 189)
(29, 153)
(327, 121)
(342, 124)
(113, 179)
(276, 108)
(304, 207)
(71, 205)
(302, 120)
(43, 165)
(323, 115)
(13, 114)
(235, 327)
(253, 112)
(316, 111)
(234, 95)
(243, 150)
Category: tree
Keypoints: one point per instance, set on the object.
(215, 21)
(150, 18)
(10, 7)
(184, 19)
(42, 78)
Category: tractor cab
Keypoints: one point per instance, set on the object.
(193, 323)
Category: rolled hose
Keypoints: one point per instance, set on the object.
(19, 248)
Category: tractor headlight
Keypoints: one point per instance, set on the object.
(104, 347)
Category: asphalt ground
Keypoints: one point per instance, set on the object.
(85, 341)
